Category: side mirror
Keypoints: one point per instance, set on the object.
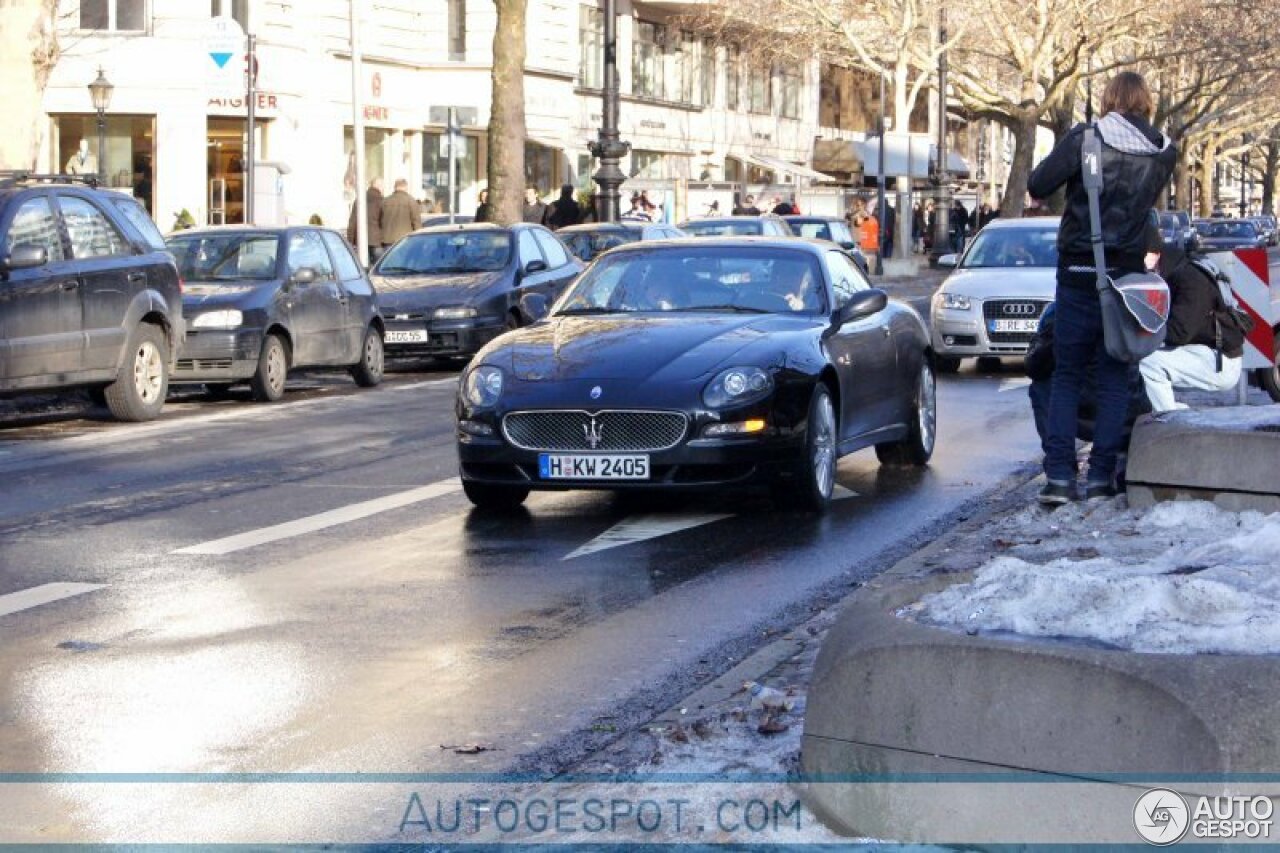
(303, 276)
(534, 266)
(26, 256)
(848, 245)
(864, 303)
(534, 306)
(948, 260)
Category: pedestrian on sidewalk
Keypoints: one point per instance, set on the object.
(890, 223)
(869, 238)
(484, 211)
(1137, 162)
(401, 214)
(959, 223)
(535, 209)
(373, 221)
(564, 211)
(917, 228)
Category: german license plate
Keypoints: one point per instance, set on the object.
(559, 466)
(406, 336)
(1014, 325)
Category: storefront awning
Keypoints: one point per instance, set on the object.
(774, 164)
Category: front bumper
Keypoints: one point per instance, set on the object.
(968, 333)
(217, 355)
(443, 337)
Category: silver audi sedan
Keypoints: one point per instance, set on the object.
(991, 304)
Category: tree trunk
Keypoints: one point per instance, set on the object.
(506, 118)
(1024, 146)
(1182, 180)
(1207, 162)
(28, 52)
(1062, 119)
(1271, 164)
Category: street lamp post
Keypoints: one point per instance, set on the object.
(942, 209)
(880, 200)
(100, 91)
(609, 148)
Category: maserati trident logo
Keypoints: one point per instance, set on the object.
(594, 433)
(596, 392)
(1020, 309)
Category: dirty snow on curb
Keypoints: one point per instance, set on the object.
(1183, 578)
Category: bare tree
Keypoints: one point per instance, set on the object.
(506, 117)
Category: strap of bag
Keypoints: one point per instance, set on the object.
(1091, 171)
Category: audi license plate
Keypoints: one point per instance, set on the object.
(1014, 325)
(558, 466)
(406, 336)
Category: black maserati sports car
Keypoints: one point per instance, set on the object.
(689, 364)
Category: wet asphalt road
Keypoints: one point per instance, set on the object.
(385, 619)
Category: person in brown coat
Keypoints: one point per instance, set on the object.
(373, 220)
(401, 214)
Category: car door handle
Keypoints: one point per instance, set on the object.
(137, 277)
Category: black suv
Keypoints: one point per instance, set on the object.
(88, 295)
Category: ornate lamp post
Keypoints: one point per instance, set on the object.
(100, 91)
(609, 148)
(942, 208)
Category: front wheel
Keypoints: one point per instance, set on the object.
(917, 447)
(813, 478)
(494, 497)
(367, 372)
(1269, 378)
(138, 394)
(273, 367)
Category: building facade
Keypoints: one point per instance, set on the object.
(175, 128)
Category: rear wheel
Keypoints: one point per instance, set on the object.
(138, 393)
(273, 367)
(367, 372)
(1269, 378)
(922, 432)
(489, 496)
(948, 363)
(813, 477)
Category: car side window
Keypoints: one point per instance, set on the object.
(306, 250)
(348, 269)
(527, 248)
(35, 225)
(846, 280)
(92, 234)
(140, 219)
(551, 249)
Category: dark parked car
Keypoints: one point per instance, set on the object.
(448, 291)
(830, 228)
(587, 241)
(88, 295)
(443, 219)
(1267, 227)
(705, 363)
(1177, 231)
(260, 302)
(1220, 235)
(767, 225)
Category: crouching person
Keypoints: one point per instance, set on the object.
(1204, 347)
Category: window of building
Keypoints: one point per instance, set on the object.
(732, 76)
(647, 164)
(708, 73)
(540, 167)
(118, 15)
(238, 9)
(457, 30)
(759, 89)
(591, 47)
(790, 80)
(683, 63)
(435, 167)
(128, 154)
(376, 157)
(586, 170)
(646, 65)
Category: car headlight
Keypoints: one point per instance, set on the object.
(737, 386)
(230, 319)
(455, 312)
(483, 386)
(956, 301)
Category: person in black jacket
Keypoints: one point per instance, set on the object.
(563, 211)
(1137, 162)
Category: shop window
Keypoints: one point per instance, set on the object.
(646, 65)
(435, 167)
(457, 30)
(540, 167)
(591, 47)
(586, 171)
(376, 144)
(128, 153)
(118, 15)
(226, 167)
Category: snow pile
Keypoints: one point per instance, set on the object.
(1184, 578)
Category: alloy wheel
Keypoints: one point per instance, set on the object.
(927, 407)
(276, 367)
(148, 372)
(824, 446)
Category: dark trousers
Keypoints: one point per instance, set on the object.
(1078, 342)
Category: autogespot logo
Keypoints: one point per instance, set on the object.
(1161, 816)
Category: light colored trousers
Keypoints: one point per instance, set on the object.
(1191, 366)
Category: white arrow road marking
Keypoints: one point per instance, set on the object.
(1014, 383)
(43, 594)
(641, 527)
(332, 518)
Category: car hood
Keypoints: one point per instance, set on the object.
(639, 347)
(197, 296)
(1229, 242)
(432, 291)
(995, 282)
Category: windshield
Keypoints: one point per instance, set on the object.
(737, 279)
(1013, 247)
(451, 251)
(587, 244)
(720, 228)
(1227, 229)
(225, 256)
(1169, 222)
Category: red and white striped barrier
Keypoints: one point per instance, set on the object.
(1251, 281)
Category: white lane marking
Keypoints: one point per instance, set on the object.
(43, 594)
(321, 521)
(431, 383)
(1014, 383)
(641, 527)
